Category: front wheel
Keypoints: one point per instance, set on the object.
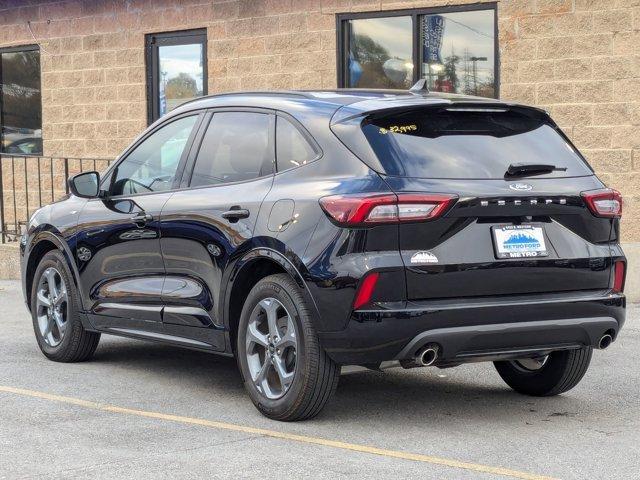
(551, 375)
(285, 370)
(54, 311)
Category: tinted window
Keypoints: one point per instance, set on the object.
(380, 53)
(176, 69)
(292, 149)
(453, 50)
(458, 52)
(445, 143)
(152, 166)
(21, 103)
(236, 147)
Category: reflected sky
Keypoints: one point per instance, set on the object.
(473, 31)
(393, 33)
(176, 59)
(381, 52)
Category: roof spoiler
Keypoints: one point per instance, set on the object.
(381, 107)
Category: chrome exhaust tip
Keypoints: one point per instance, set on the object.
(427, 355)
(605, 341)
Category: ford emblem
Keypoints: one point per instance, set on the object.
(520, 187)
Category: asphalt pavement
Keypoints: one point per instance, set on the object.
(143, 410)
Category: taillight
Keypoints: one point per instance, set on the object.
(605, 202)
(376, 208)
(365, 291)
(618, 276)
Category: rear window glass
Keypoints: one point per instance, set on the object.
(469, 143)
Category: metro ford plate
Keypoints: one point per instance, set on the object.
(519, 241)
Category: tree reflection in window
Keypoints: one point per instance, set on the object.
(21, 102)
(380, 53)
(454, 49)
(458, 52)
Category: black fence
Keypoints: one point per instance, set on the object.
(28, 182)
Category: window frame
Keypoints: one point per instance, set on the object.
(343, 30)
(106, 183)
(189, 168)
(14, 49)
(152, 63)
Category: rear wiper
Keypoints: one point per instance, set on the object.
(526, 169)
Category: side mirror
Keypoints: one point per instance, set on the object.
(85, 184)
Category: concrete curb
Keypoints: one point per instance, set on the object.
(9, 261)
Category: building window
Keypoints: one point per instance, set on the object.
(20, 101)
(176, 70)
(380, 53)
(454, 48)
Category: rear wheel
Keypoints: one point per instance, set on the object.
(285, 370)
(554, 374)
(54, 311)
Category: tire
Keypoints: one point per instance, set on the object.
(562, 371)
(72, 343)
(314, 375)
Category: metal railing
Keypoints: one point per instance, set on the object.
(28, 182)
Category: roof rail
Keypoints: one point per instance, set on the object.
(264, 93)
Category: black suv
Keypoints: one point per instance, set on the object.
(304, 231)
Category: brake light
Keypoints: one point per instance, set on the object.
(605, 202)
(618, 276)
(365, 291)
(377, 208)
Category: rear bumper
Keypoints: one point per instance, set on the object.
(478, 329)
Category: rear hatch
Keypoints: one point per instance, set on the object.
(527, 231)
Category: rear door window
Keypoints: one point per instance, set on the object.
(469, 143)
(236, 147)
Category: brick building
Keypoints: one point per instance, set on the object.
(88, 76)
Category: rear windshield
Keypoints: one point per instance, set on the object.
(469, 143)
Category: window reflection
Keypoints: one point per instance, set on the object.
(152, 166)
(458, 52)
(20, 102)
(181, 75)
(292, 149)
(380, 53)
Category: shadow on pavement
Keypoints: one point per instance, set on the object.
(470, 392)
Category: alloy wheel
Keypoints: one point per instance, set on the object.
(271, 348)
(52, 307)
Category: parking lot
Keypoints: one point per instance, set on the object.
(144, 410)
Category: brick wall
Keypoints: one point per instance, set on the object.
(580, 59)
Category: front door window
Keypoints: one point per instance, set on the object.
(152, 166)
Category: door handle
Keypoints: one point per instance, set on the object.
(141, 219)
(235, 213)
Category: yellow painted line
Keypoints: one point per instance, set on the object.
(474, 467)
